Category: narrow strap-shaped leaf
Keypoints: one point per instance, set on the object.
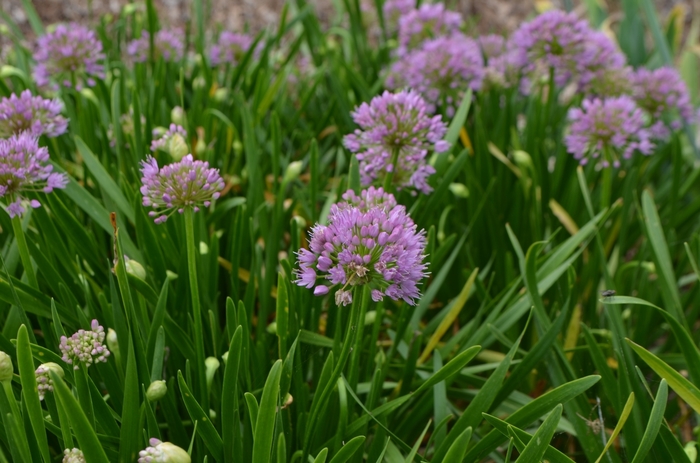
(655, 419)
(229, 415)
(211, 438)
(265, 424)
(456, 452)
(348, 450)
(536, 448)
(621, 422)
(419, 441)
(129, 436)
(551, 454)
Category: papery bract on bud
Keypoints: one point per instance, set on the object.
(607, 130)
(369, 240)
(33, 114)
(71, 55)
(396, 123)
(167, 44)
(85, 346)
(176, 186)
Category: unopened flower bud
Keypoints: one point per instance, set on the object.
(177, 147)
(163, 452)
(156, 390)
(73, 456)
(177, 115)
(460, 190)
(135, 269)
(6, 369)
(237, 147)
(112, 341)
(292, 172)
(200, 148)
(220, 95)
(212, 364)
(224, 357)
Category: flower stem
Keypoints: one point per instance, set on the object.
(82, 384)
(389, 179)
(196, 309)
(24, 251)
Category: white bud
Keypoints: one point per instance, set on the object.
(112, 341)
(136, 269)
(203, 248)
(6, 369)
(156, 390)
(174, 454)
(212, 364)
(292, 172)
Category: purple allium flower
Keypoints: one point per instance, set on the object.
(601, 63)
(491, 45)
(501, 69)
(71, 54)
(394, 10)
(179, 185)
(33, 114)
(24, 167)
(162, 139)
(369, 240)
(167, 44)
(73, 456)
(396, 123)
(230, 48)
(662, 93)
(606, 129)
(85, 346)
(441, 69)
(163, 452)
(427, 22)
(553, 40)
(44, 382)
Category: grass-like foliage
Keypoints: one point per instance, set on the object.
(375, 238)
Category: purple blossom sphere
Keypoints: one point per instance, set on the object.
(394, 10)
(230, 48)
(369, 240)
(85, 346)
(24, 167)
(607, 129)
(664, 95)
(167, 44)
(427, 22)
(33, 114)
(70, 55)
(396, 123)
(182, 184)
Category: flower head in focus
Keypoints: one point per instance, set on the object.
(24, 167)
(369, 240)
(73, 456)
(427, 22)
(85, 346)
(230, 48)
(664, 96)
(163, 452)
(44, 382)
(71, 55)
(607, 130)
(396, 125)
(167, 44)
(33, 114)
(182, 184)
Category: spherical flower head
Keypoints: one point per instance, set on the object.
(428, 21)
(182, 184)
(71, 54)
(600, 61)
(73, 456)
(607, 130)
(369, 240)
(43, 377)
(173, 141)
(396, 123)
(553, 40)
(85, 346)
(440, 70)
(664, 96)
(33, 114)
(24, 167)
(501, 62)
(163, 452)
(167, 44)
(230, 48)
(394, 10)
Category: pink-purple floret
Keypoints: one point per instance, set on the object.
(33, 114)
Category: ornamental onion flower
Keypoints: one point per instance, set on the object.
(70, 55)
(394, 10)
(167, 44)
(182, 184)
(501, 68)
(33, 114)
(369, 240)
(602, 67)
(173, 141)
(85, 346)
(24, 167)
(395, 128)
(664, 95)
(427, 22)
(230, 48)
(73, 456)
(44, 382)
(441, 70)
(607, 129)
(163, 452)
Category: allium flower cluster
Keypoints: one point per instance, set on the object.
(161, 140)
(70, 55)
(394, 10)
(230, 48)
(43, 377)
(441, 70)
(73, 456)
(369, 240)
(607, 129)
(24, 168)
(177, 186)
(602, 66)
(33, 114)
(396, 125)
(85, 346)
(163, 452)
(662, 93)
(428, 21)
(167, 44)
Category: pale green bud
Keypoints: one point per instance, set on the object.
(460, 190)
(6, 369)
(212, 364)
(272, 328)
(135, 269)
(237, 147)
(200, 148)
(292, 172)
(170, 275)
(370, 317)
(299, 221)
(220, 95)
(203, 248)
(177, 115)
(156, 390)
(177, 147)
(174, 454)
(224, 357)
(199, 82)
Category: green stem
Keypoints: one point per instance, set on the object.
(606, 186)
(82, 384)
(360, 300)
(24, 251)
(389, 179)
(196, 309)
(354, 372)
